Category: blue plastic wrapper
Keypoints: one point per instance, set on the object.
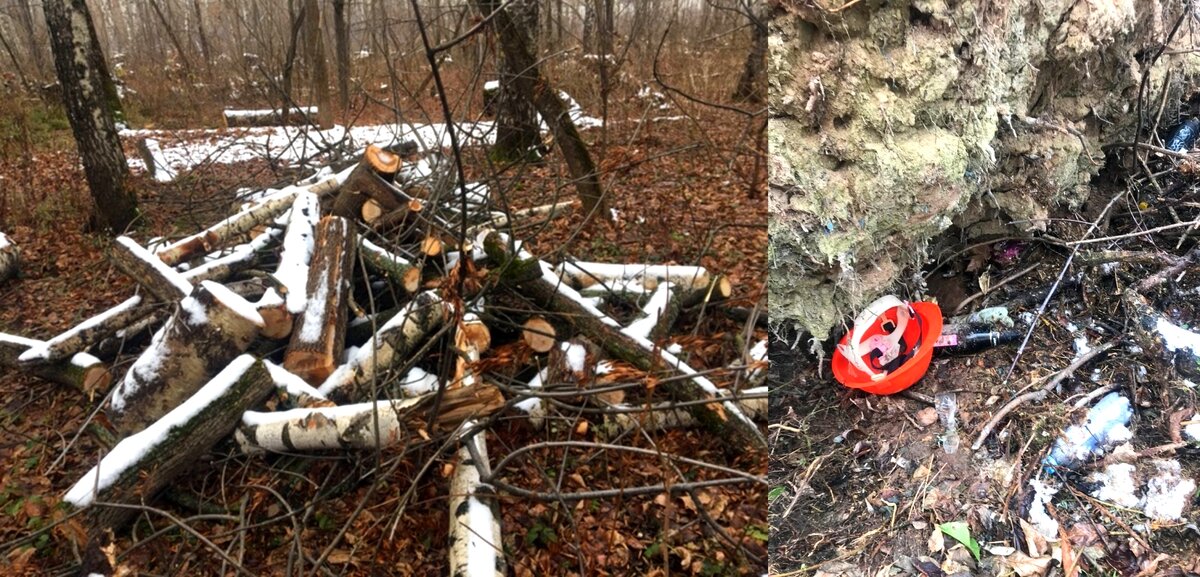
(1182, 137)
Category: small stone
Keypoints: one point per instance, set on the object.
(927, 416)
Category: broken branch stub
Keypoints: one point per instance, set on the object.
(207, 330)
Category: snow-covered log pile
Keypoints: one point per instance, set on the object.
(347, 312)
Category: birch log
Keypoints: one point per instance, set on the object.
(82, 372)
(392, 344)
(146, 462)
(160, 280)
(569, 306)
(319, 333)
(10, 257)
(398, 270)
(241, 223)
(298, 243)
(664, 416)
(354, 426)
(585, 274)
(207, 330)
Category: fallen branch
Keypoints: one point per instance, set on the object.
(82, 372)
(1036, 395)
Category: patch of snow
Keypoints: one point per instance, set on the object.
(135, 447)
(418, 382)
(180, 283)
(1104, 427)
(162, 169)
(491, 85)
(1192, 430)
(1176, 337)
(576, 356)
(674, 348)
(145, 368)
(314, 316)
(289, 382)
(4, 242)
(298, 242)
(1116, 485)
(240, 306)
(1043, 496)
(1168, 492)
(196, 315)
(653, 310)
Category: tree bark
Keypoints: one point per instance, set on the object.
(314, 44)
(144, 463)
(10, 258)
(554, 112)
(82, 372)
(341, 29)
(319, 333)
(208, 330)
(85, 81)
(517, 131)
(752, 85)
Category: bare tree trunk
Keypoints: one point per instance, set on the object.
(162, 19)
(589, 27)
(752, 86)
(341, 29)
(548, 103)
(517, 133)
(205, 49)
(90, 112)
(34, 43)
(289, 62)
(314, 45)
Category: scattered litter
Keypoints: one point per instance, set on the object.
(1103, 428)
(947, 410)
(1183, 137)
(991, 316)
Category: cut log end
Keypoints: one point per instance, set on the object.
(382, 161)
(539, 334)
(371, 211)
(96, 379)
(431, 246)
(412, 280)
(277, 321)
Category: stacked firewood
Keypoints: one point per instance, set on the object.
(325, 299)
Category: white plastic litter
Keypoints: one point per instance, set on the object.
(1103, 428)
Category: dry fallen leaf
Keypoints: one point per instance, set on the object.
(1026, 566)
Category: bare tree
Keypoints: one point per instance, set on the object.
(752, 85)
(314, 45)
(341, 30)
(536, 89)
(517, 133)
(73, 40)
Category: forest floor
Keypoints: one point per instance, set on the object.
(684, 193)
(860, 483)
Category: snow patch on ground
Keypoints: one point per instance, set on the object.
(1192, 431)
(1167, 493)
(135, 447)
(1176, 337)
(1116, 485)
(418, 382)
(1043, 496)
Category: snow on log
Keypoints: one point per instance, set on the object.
(147, 270)
(369, 181)
(156, 163)
(82, 372)
(319, 334)
(292, 116)
(475, 539)
(241, 223)
(661, 309)
(1156, 332)
(83, 335)
(208, 329)
(663, 416)
(395, 341)
(569, 306)
(585, 274)
(298, 242)
(397, 269)
(145, 462)
(10, 258)
(757, 361)
(363, 425)
(277, 319)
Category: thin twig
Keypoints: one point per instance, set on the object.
(1037, 395)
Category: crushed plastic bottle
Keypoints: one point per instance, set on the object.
(1103, 428)
(947, 410)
